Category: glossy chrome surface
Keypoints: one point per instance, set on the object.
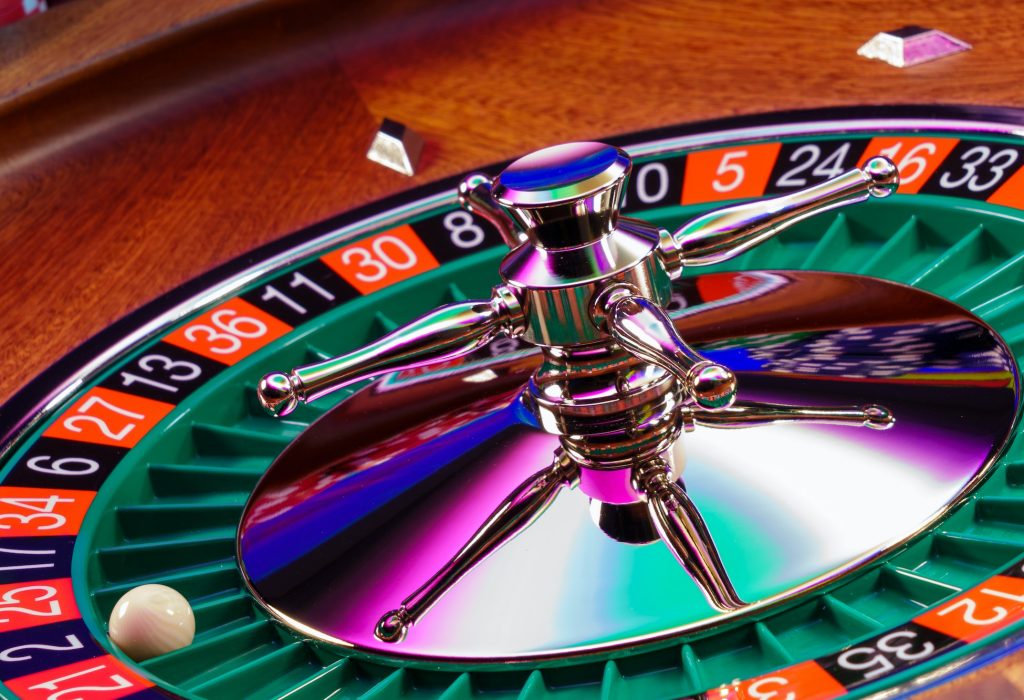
(565, 196)
(645, 330)
(681, 526)
(586, 287)
(42, 404)
(746, 415)
(561, 174)
(723, 234)
(442, 334)
(516, 513)
(376, 497)
(558, 286)
(475, 196)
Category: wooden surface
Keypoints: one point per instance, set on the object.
(142, 145)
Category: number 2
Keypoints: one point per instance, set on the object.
(72, 423)
(810, 155)
(8, 654)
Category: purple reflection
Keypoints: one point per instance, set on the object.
(376, 496)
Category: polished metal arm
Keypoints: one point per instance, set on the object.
(683, 530)
(725, 233)
(645, 330)
(475, 197)
(516, 513)
(446, 332)
(751, 414)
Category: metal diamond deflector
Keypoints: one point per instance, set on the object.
(911, 45)
(397, 147)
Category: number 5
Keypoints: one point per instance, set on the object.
(726, 168)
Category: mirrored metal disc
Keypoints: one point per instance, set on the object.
(373, 498)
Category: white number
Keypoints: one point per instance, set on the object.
(298, 280)
(725, 167)
(758, 693)
(31, 553)
(127, 378)
(981, 155)
(970, 605)
(1004, 595)
(379, 265)
(43, 511)
(998, 170)
(825, 170)
(120, 680)
(272, 293)
(166, 363)
(789, 178)
(901, 650)
(240, 327)
(831, 166)
(11, 603)
(643, 192)
(237, 326)
(911, 166)
(91, 466)
(8, 654)
(72, 422)
(460, 223)
(876, 663)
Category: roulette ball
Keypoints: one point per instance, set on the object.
(543, 489)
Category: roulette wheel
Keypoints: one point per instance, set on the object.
(140, 456)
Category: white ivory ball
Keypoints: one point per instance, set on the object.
(150, 620)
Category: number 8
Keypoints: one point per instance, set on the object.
(458, 224)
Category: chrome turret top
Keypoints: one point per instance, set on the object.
(565, 196)
(618, 384)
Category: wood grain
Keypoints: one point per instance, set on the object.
(142, 145)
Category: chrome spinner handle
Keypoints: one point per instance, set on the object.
(475, 197)
(444, 333)
(723, 234)
(586, 285)
(645, 330)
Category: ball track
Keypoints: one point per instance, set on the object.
(176, 524)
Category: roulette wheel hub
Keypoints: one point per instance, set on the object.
(615, 389)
